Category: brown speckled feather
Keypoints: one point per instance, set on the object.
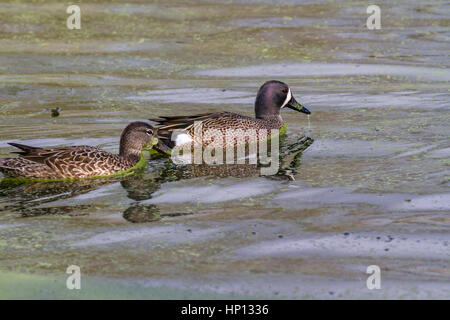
(66, 162)
(20, 167)
(78, 161)
(271, 98)
(221, 121)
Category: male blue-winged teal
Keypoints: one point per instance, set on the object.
(79, 161)
(271, 98)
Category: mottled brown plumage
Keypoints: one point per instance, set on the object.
(271, 98)
(78, 161)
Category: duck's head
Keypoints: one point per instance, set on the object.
(272, 97)
(136, 137)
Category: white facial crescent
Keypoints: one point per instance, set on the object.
(288, 98)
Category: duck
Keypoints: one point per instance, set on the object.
(80, 161)
(272, 96)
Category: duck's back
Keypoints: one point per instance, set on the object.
(23, 168)
(203, 128)
(67, 162)
(85, 161)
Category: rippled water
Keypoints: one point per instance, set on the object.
(371, 182)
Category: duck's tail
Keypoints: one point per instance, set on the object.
(26, 150)
(168, 124)
(35, 154)
(13, 167)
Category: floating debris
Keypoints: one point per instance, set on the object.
(54, 112)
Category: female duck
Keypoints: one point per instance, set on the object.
(79, 161)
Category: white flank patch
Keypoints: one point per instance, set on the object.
(182, 138)
(288, 98)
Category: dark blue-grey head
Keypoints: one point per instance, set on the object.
(272, 97)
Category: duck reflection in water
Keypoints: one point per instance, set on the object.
(36, 199)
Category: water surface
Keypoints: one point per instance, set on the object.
(372, 188)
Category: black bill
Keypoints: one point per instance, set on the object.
(294, 105)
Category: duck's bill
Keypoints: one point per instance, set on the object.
(161, 147)
(157, 145)
(294, 105)
(151, 144)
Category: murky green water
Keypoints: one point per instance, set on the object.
(373, 187)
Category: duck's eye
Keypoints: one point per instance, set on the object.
(149, 132)
(284, 90)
